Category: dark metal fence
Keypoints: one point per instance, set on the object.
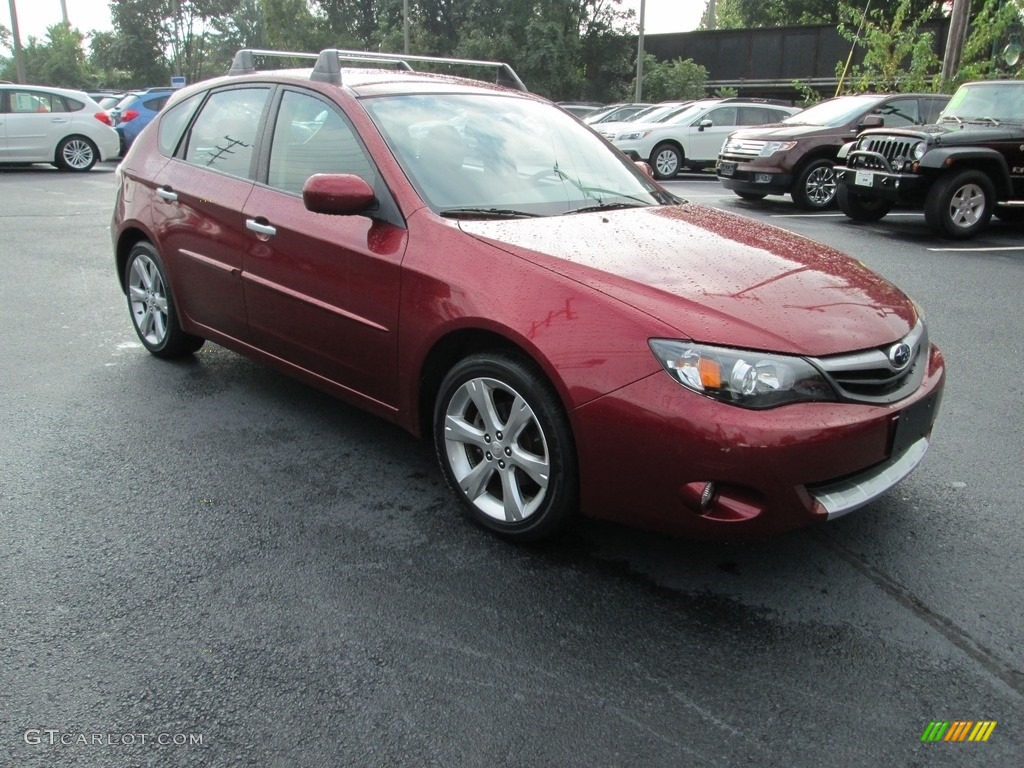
(765, 62)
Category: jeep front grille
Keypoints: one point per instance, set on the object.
(892, 148)
(871, 376)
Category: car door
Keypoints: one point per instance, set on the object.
(198, 199)
(36, 121)
(322, 291)
(708, 132)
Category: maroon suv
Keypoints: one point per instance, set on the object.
(796, 156)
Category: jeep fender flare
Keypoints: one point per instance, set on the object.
(986, 160)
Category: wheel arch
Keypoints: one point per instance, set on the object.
(821, 153)
(459, 343)
(672, 142)
(986, 161)
(127, 239)
(61, 141)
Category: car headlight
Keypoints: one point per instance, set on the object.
(919, 150)
(771, 147)
(632, 136)
(742, 377)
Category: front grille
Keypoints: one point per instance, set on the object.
(870, 376)
(895, 149)
(743, 148)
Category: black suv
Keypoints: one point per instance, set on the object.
(961, 171)
(796, 157)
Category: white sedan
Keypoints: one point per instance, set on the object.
(54, 125)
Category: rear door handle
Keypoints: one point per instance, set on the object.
(167, 194)
(260, 228)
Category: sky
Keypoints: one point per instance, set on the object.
(34, 16)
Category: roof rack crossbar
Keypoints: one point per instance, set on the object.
(328, 66)
(244, 61)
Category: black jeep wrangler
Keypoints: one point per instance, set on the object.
(962, 170)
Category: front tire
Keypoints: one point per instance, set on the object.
(861, 208)
(152, 306)
(666, 160)
(960, 205)
(815, 186)
(76, 153)
(505, 446)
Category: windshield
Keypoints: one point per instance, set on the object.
(496, 155)
(834, 112)
(984, 101)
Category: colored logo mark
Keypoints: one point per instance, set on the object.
(958, 730)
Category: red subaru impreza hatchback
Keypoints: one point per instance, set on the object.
(472, 263)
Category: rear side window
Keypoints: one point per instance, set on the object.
(930, 109)
(311, 137)
(173, 124)
(224, 132)
(27, 102)
(156, 104)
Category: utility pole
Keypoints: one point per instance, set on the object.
(19, 57)
(639, 54)
(955, 40)
(64, 11)
(405, 24)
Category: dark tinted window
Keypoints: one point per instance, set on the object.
(172, 124)
(224, 132)
(156, 104)
(899, 112)
(930, 109)
(311, 137)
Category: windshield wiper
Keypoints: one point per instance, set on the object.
(951, 119)
(490, 213)
(607, 207)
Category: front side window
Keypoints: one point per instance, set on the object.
(491, 154)
(224, 132)
(899, 112)
(311, 137)
(724, 116)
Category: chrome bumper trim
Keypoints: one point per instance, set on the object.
(854, 492)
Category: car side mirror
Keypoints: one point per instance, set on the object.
(337, 194)
(645, 168)
(872, 121)
(704, 124)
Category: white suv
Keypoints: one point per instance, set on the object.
(54, 125)
(692, 137)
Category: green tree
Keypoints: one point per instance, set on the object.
(992, 28)
(672, 80)
(58, 59)
(746, 14)
(898, 54)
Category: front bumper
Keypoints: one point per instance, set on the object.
(884, 185)
(647, 451)
(748, 177)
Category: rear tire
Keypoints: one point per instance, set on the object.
(76, 153)
(152, 306)
(505, 446)
(861, 208)
(959, 205)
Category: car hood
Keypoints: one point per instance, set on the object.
(950, 134)
(715, 277)
(787, 132)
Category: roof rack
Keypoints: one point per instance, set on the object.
(327, 68)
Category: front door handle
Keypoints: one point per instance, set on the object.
(167, 194)
(260, 227)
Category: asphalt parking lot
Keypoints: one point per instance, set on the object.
(208, 564)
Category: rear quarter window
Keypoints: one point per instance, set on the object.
(173, 124)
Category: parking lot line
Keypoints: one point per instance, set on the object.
(983, 248)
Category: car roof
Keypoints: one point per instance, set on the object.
(368, 73)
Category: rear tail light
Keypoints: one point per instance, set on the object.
(131, 114)
(103, 117)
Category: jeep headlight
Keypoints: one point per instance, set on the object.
(919, 149)
(742, 377)
(771, 147)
